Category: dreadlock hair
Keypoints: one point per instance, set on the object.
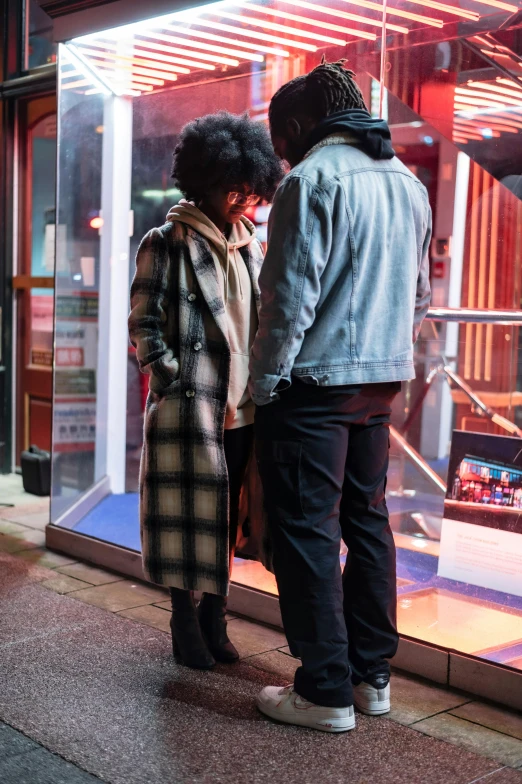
(329, 88)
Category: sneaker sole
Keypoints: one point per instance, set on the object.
(338, 725)
(384, 707)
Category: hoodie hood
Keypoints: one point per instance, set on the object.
(241, 233)
(373, 135)
(224, 249)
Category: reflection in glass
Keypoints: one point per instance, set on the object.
(455, 109)
(41, 49)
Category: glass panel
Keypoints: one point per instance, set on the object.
(455, 116)
(453, 589)
(41, 50)
(77, 280)
(173, 69)
(469, 92)
(138, 86)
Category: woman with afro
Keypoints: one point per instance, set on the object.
(193, 320)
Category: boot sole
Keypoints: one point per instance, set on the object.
(222, 660)
(178, 658)
(336, 725)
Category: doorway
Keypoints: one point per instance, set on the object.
(33, 281)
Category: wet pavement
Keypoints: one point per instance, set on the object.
(89, 691)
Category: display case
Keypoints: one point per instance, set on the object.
(448, 78)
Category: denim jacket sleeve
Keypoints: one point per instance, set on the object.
(423, 297)
(300, 237)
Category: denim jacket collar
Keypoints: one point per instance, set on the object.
(334, 138)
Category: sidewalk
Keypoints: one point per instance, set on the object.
(89, 691)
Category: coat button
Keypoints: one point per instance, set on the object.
(197, 346)
(191, 297)
(190, 393)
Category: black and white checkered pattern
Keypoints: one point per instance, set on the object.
(176, 304)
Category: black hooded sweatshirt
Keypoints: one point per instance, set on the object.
(372, 135)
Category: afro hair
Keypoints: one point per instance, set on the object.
(225, 150)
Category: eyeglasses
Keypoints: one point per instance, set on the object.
(243, 201)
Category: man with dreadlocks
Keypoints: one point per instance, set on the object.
(344, 290)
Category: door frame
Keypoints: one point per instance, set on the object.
(15, 85)
(23, 280)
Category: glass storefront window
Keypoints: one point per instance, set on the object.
(40, 47)
(450, 89)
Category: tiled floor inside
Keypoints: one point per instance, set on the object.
(90, 692)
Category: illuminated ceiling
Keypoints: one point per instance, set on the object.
(222, 37)
(488, 109)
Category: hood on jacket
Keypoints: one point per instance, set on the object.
(225, 248)
(241, 233)
(373, 135)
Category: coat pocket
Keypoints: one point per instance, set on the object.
(160, 380)
(279, 465)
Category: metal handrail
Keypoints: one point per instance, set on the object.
(509, 318)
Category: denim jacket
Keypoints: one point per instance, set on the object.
(345, 282)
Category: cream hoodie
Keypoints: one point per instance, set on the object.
(240, 307)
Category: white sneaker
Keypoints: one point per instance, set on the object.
(284, 704)
(372, 700)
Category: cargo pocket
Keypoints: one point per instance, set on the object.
(280, 469)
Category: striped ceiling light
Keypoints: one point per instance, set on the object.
(487, 109)
(224, 36)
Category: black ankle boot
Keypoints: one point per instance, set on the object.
(212, 611)
(188, 643)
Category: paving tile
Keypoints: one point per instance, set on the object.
(90, 574)
(37, 520)
(149, 615)
(25, 507)
(21, 540)
(491, 744)
(8, 527)
(280, 666)
(13, 742)
(119, 596)
(47, 558)
(164, 605)
(492, 717)
(250, 638)
(42, 767)
(413, 700)
(64, 584)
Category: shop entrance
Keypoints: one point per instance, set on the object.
(33, 281)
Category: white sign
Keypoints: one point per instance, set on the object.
(76, 344)
(483, 556)
(74, 423)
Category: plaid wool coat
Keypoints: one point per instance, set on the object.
(178, 327)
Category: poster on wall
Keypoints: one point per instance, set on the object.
(481, 539)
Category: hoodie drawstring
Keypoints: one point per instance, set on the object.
(226, 271)
(238, 275)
